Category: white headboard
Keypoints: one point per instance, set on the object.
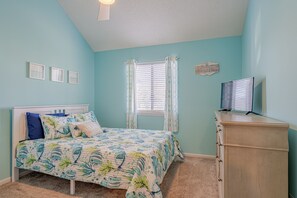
(19, 123)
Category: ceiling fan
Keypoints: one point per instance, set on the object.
(104, 9)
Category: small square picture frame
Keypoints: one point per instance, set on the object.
(57, 74)
(73, 77)
(36, 71)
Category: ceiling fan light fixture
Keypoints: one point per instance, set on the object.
(107, 2)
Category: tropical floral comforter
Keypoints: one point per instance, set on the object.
(131, 159)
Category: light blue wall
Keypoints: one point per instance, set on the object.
(38, 31)
(199, 96)
(269, 53)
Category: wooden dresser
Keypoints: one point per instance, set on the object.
(252, 156)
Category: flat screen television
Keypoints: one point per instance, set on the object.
(238, 95)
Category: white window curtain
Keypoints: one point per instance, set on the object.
(171, 95)
(131, 117)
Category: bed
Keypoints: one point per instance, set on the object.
(132, 159)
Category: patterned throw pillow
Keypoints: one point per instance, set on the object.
(56, 127)
(87, 128)
(82, 117)
(85, 121)
(75, 129)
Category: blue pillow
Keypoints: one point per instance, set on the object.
(35, 130)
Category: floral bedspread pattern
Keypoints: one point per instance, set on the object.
(131, 159)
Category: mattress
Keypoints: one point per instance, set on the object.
(131, 159)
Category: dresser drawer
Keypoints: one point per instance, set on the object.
(221, 178)
(218, 126)
(252, 156)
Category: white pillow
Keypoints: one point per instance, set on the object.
(87, 128)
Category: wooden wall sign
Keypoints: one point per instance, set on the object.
(207, 69)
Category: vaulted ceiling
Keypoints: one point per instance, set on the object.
(136, 23)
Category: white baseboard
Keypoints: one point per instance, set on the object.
(5, 181)
(199, 155)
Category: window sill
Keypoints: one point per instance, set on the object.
(151, 113)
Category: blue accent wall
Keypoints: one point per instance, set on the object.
(269, 54)
(41, 32)
(199, 96)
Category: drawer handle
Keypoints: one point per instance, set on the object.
(220, 144)
(220, 129)
(220, 180)
(220, 160)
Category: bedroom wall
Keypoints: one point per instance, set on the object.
(199, 96)
(38, 31)
(269, 53)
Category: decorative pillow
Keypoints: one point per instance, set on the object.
(87, 128)
(35, 130)
(56, 127)
(87, 125)
(82, 117)
(74, 129)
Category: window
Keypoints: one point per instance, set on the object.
(150, 88)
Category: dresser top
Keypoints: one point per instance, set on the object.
(236, 118)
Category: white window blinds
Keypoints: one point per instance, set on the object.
(150, 87)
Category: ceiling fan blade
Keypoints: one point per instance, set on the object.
(103, 12)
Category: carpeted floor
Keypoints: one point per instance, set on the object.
(195, 178)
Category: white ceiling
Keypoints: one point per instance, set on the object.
(136, 23)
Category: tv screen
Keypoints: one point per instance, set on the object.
(237, 95)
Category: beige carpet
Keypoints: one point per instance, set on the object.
(194, 178)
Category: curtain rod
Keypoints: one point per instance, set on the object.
(153, 62)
